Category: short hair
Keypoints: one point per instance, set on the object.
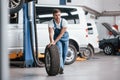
(56, 11)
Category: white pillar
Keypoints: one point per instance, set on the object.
(4, 65)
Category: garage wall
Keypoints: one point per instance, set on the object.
(98, 5)
(111, 20)
(55, 2)
(93, 4)
(111, 5)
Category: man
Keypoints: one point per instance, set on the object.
(59, 36)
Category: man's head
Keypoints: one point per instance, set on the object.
(57, 14)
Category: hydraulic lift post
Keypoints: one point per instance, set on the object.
(30, 48)
(26, 30)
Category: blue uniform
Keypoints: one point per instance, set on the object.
(62, 43)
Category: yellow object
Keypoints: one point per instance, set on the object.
(41, 55)
(13, 55)
(80, 59)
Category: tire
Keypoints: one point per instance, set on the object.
(52, 60)
(85, 53)
(18, 4)
(91, 52)
(71, 56)
(108, 49)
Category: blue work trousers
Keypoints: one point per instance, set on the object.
(63, 48)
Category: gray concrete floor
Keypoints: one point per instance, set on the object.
(101, 67)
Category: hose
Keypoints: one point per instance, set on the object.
(33, 38)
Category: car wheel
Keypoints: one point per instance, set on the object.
(108, 49)
(91, 52)
(71, 56)
(86, 53)
(52, 60)
(15, 5)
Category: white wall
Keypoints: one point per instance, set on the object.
(55, 2)
(110, 20)
(111, 5)
(99, 5)
(93, 4)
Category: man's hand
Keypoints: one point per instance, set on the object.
(52, 43)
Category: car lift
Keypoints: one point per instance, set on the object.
(52, 61)
(30, 58)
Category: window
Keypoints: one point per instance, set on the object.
(44, 14)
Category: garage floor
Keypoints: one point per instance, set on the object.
(101, 67)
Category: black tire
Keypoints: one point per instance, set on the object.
(52, 60)
(85, 53)
(15, 6)
(91, 52)
(108, 49)
(71, 56)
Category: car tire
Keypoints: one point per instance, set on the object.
(17, 7)
(91, 52)
(86, 53)
(108, 49)
(72, 55)
(52, 60)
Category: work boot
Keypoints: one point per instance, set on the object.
(61, 71)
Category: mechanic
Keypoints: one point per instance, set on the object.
(59, 36)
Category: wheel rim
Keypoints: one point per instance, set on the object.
(47, 61)
(70, 55)
(14, 3)
(108, 50)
